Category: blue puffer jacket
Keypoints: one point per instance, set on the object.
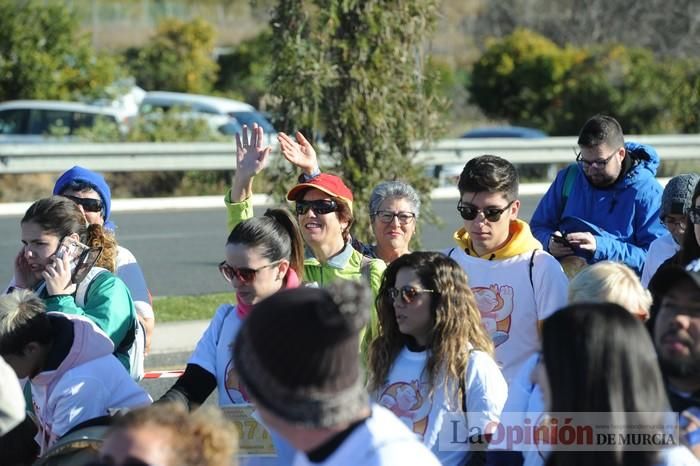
(624, 218)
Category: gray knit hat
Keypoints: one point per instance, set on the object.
(297, 354)
(678, 194)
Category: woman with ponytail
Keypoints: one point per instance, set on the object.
(100, 296)
(263, 255)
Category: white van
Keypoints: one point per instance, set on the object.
(31, 120)
(243, 113)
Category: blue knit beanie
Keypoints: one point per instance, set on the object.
(80, 175)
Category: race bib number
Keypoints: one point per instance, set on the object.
(253, 438)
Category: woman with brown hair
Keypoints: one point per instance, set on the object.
(432, 357)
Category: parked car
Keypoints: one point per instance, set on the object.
(31, 120)
(448, 175)
(505, 132)
(241, 112)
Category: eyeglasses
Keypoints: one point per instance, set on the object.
(320, 207)
(242, 274)
(88, 204)
(387, 216)
(601, 163)
(470, 211)
(674, 223)
(694, 215)
(407, 293)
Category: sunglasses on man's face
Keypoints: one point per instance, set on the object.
(407, 293)
(470, 211)
(242, 274)
(88, 204)
(320, 207)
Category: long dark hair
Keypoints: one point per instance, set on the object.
(456, 320)
(690, 249)
(600, 359)
(277, 236)
(60, 216)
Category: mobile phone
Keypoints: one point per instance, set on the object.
(81, 257)
(563, 241)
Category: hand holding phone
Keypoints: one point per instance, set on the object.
(559, 246)
(563, 241)
(81, 258)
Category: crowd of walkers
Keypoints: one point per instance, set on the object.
(336, 352)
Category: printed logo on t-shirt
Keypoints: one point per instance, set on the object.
(495, 304)
(235, 391)
(410, 403)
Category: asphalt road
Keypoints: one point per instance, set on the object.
(179, 250)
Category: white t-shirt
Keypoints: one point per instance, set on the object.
(131, 274)
(213, 354)
(660, 250)
(406, 394)
(510, 305)
(525, 399)
(382, 440)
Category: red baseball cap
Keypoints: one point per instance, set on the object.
(329, 184)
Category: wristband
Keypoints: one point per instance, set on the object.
(304, 178)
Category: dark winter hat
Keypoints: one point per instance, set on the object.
(82, 176)
(297, 354)
(669, 276)
(678, 194)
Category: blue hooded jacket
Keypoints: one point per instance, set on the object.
(624, 217)
(95, 180)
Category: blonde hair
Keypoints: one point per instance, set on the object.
(611, 282)
(200, 438)
(456, 321)
(17, 308)
(23, 320)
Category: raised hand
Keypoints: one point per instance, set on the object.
(250, 154)
(299, 152)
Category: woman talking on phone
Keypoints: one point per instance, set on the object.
(50, 227)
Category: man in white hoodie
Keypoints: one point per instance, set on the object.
(69, 363)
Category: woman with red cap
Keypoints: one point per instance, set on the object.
(324, 212)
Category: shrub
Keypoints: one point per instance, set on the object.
(177, 58)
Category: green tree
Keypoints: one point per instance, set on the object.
(527, 79)
(43, 55)
(520, 78)
(245, 71)
(177, 58)
(354, 72)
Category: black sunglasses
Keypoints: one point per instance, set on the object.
(90, 205)
(407, 293)
(320, 207)
(242, 274)
(470, 211)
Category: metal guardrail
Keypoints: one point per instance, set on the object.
(56, 157)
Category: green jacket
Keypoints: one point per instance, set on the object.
(348, 265)
(108, 304)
